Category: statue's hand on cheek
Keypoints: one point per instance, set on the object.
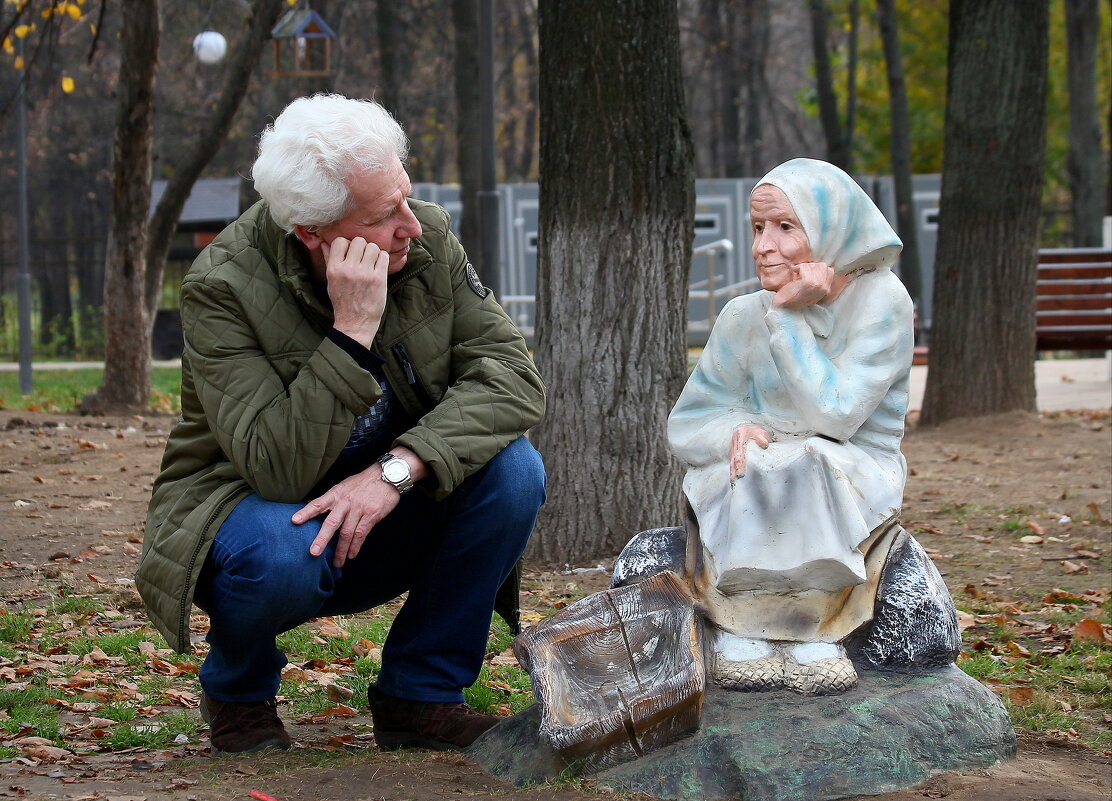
(811, 282)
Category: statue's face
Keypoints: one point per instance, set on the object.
(779, 243)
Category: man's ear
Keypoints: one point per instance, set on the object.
(309, 236)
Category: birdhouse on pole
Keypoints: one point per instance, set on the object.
(302, 44)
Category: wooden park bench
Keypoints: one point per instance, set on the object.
(1074, 299)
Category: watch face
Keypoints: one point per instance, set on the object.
(395, 470)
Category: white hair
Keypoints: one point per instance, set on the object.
(314, 146)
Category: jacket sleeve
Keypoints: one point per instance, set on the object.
(281, 433)
(495, 392)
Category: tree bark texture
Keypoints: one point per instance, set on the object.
(983, 328)
(616, 226)
(1085, 162)
(127, 328)
(465, 20)
(244, 57)
(900, 148)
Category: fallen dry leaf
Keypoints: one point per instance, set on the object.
(1031, 539)
(1021, 696)
(338, 692)
(330, 628)
(1089, 631)
(1035, 527)
(362, 647)
(46, 753)
(965, 620)
(1072, 567)
(95, 505)
(1017, 649)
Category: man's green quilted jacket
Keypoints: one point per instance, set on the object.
(268, 401)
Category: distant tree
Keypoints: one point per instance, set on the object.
(900, 147)
(206, 142)
(983, 331)
(516, 82)
(616, 226)
(1085, 163)
(465, 22)
(838, 135)
(127, 323)
(735, 35)
(126, 382)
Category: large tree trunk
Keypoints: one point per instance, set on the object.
(1085, 163)
(983, 328)
(900, 148)
(465, 18)
(189, 165)
(616, 225)
(127, 329)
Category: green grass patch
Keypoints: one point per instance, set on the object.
(69, 604)
(29, 713)
(156, 732)
(15, 627)
(1049, 681)
(61, 391)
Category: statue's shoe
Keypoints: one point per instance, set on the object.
(753, 675)
(822, 677)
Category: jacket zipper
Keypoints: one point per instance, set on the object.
(401, 353)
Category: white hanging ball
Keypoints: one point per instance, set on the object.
(210, 47)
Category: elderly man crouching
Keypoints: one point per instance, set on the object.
(340, 351)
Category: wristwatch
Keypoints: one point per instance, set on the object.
(395, 472)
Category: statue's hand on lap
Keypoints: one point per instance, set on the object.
(742, 436)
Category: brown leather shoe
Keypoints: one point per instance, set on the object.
(401, 723)
(243, 728)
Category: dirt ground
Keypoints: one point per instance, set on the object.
(1013, 506)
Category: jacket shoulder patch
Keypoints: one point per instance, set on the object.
(474, 282)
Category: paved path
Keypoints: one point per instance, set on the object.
(1060, 383)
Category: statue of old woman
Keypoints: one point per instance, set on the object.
(790, 428)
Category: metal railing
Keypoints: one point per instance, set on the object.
(709, 290)
(705, 289)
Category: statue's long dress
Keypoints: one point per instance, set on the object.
(792, 549)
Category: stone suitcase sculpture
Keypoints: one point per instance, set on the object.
(619, 673)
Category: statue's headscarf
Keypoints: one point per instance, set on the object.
(844, 227)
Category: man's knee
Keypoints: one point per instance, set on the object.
(259, 545)
(516, 477)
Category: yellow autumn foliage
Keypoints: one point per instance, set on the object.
(67, 84)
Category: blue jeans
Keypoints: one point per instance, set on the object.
(451, 556)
